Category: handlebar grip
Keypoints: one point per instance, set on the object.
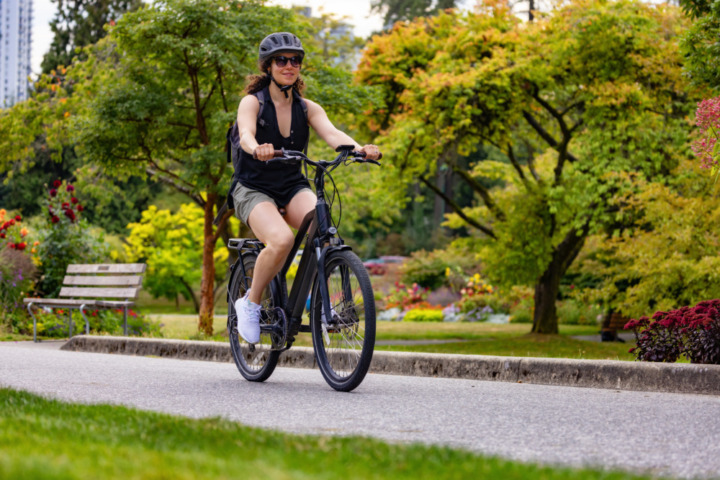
(364, 155)
(276, 153)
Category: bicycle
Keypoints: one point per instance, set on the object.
(331, 280)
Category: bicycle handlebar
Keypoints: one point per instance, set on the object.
(292, 156)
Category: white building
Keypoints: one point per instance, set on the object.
(15, 46)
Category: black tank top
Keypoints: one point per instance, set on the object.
(278, 180)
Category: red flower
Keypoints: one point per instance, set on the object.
(11, 222)
(80, 208)
(55, 219)
(57, 183)
(21, 246)
(65, 205)
(73, 200)
(18, 218)
(53, 192)
(2, 235)
(11, 245)
(70, 214)
(70, 188)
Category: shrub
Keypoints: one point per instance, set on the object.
(523, 311)
(423, 315)
(55, 324)
(407, 298)
(437, 268)
(17, 273)
(572, 312)
(690, 331)
(66, 239)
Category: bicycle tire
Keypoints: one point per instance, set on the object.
(255, 362)
(345, 350)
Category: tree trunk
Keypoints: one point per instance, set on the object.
(546, 289)
(207, 284)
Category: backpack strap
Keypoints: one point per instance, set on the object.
(261, 99)
(304, 106)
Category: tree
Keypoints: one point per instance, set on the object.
(575, 102)
(404, 10)
(665, 256)
(79, 23)
(171, 245)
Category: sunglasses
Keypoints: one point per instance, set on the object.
(282, 60)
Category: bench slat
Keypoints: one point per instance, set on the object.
(99, 292)
(120, 281)
(58, 302)
(107, 268)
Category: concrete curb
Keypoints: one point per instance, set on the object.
(618, 375)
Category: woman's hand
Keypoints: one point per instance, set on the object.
(264, 152)
(372, 152)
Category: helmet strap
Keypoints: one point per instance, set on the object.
(283, 88)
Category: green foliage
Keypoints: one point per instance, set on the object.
(435, 269)
(399, 10)
(572, 312)
(78, 24)
(579, 103)
(423, 315)
(171, 245)
(65, 237)
(699, 43)
(667, 256)
(109, 322)
(17, 278)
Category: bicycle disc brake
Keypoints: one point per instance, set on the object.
(276, 327)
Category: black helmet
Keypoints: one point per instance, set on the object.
(280, 42)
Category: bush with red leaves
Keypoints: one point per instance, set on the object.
(690, 331)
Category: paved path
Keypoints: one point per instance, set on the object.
(669, 434)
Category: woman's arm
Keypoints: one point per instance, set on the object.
(322, 125)
(247, 127)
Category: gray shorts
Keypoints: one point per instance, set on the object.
(246, 199)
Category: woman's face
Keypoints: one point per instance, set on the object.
(288, 73)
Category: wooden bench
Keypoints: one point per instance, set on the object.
(92, 287)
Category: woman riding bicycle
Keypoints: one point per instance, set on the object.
(265, 191)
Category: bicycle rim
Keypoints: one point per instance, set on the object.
(344, 349)
(255, 362)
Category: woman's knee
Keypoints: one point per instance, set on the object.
(281, 241)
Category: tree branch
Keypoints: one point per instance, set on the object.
(181, 188)
(456, 208)
(482, 191)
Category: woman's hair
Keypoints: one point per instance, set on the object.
(255, 83)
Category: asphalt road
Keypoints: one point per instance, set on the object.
(657, 433)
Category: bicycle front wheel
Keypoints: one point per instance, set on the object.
(256, 362)
(344, 345)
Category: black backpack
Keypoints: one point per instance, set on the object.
(233, 149)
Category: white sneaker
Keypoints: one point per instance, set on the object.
(248, 319)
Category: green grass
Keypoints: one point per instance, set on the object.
(476, 338)
(47, 439)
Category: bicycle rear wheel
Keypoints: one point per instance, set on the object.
(344, 347)
(255, 362)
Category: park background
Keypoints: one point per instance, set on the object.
(543, 168)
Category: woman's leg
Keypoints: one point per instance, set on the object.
(299, 206)
(271, 229)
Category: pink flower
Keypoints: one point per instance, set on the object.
(70, 188)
